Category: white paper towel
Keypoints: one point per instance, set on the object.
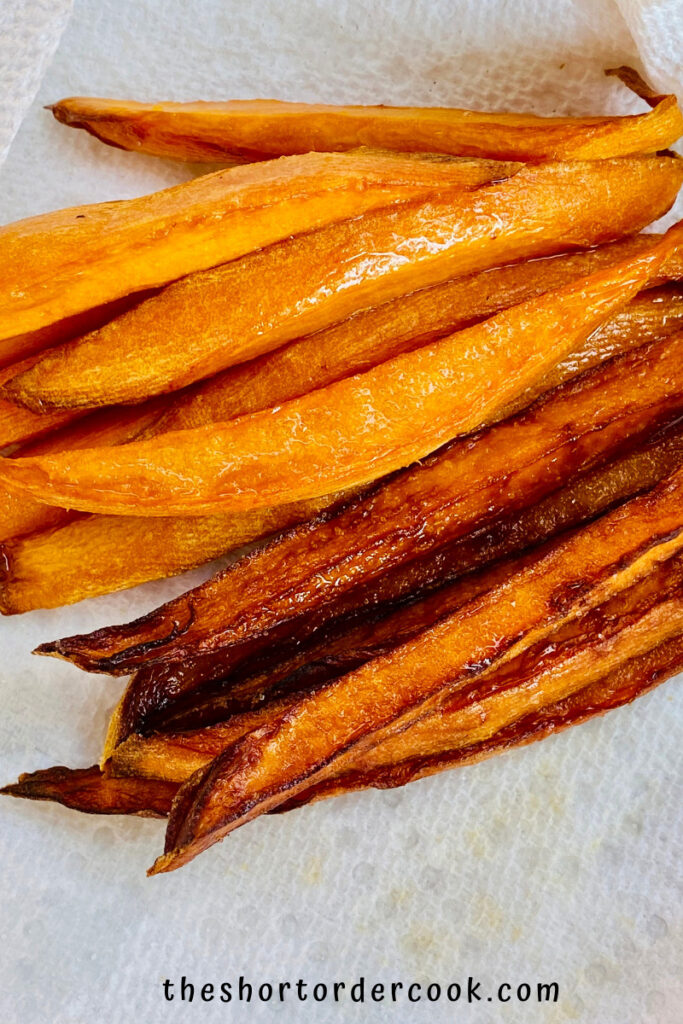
(556, 863)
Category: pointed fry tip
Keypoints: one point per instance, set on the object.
(164, 863)
(48, 650)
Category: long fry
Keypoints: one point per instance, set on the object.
(356, 344)
(474, 481)
(642, 617)
(350, 432)
(217, 318)
(257, 129)
(313, 741)
(93, 791)
(364, 623)
(69, 560)
(372, 336)
(59, 264)
(621, 686)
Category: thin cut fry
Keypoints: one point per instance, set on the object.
(621, 686)
(350, 432)
(644, 616)
(365, 622)
(89, 790)
(101, 554)
(354, 345)
(60, 264)
(93, 791)
(218, 318)
(313, 741)
(257, 129)
(375, 335)
(472, 483)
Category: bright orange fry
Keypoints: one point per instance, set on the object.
(314, 741)
(60, 264)
(257, 129)
(224, 316)
(375, 335)
(94, 555)
(356, 344)
(20, 514)
(101, 554)
(350, 432)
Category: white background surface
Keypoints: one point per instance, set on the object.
(561, 862)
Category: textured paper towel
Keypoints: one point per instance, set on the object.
(557, 863)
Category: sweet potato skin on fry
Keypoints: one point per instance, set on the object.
(467, 485)
(257, 129)
(95, 792)
(89, 790)
(312, 741)
(220, 317)
(621, 686)
(367, 623)
(137, 244)
(574, 656)
(350, 432)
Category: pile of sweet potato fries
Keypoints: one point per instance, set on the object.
(429, 355)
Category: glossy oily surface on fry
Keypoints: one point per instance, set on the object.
(644, 616)
(217, 318)
(350, 432)
(371, 618)
(137, 244)
(313, 741)
(414, 513)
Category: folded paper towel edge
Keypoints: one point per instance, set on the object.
(30, 33)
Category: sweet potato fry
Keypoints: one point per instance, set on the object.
(93, 791)
(375, 335)
(472, 482)
(138, 244)
(89, 790)
(20, 514)
(350, 432)
(366, 621)
(258, 129)
(99, 554)
(642, 617)
(314, 741)
(220, 317)
(620, 686)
